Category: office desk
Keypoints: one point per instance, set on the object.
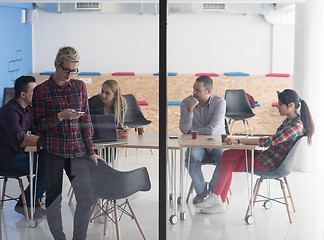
(148, 140)
(185, 140)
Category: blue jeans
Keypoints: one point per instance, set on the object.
(20, 162)
(196, 156)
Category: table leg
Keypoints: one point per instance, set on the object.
(113, 158)
(172, 171)
(252, 174)
(182, 163)
(31, 173)
(249, 219)
(173, 183)
(170, 175)
(32, 221)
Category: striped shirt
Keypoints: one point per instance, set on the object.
(66, 138)
(280, 143)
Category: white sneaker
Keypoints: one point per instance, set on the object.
(211, 201)
(215, 209)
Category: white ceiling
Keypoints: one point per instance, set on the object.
(156, 1)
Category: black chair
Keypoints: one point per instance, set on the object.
(110, 184)
(207, 161)
(134, 117)
(238, 108)
(8, 94)
(5, 175)
(280, 174)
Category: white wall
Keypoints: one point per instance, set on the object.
(219, 43)
(106, 42)
(129, 42)
(283, 48)
(308, 80)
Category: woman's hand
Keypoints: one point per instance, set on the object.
(231, 141)
(95, 158)
(246, 141)
(69, 114)
(122, 133)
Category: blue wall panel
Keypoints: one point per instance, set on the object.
(15, 45)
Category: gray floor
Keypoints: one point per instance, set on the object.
(308, 221)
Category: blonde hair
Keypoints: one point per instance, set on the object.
(69, 54)
(120, 105)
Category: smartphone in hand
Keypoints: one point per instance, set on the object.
(80, 113)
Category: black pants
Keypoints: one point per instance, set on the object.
(77, 170)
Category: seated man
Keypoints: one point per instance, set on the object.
(16, 121)
(203, 112)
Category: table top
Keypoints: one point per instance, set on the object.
(185, 140)
(95, 146)
(149, 140)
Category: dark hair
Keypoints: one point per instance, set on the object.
(21, 84)
(288, 96)
(208, 82)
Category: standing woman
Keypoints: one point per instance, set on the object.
(279, 144)
(62, 120)
(110, 101)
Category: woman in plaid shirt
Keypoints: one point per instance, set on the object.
(62, 120)
(279, 144)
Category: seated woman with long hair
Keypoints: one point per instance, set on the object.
(110, 101)
(278, 145)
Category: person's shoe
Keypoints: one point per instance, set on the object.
(215, 209)
(211, 201)
(40, 210)
(19, 208)
(200, 196)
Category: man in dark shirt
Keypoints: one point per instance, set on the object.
(16, 121)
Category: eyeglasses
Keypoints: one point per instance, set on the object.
(68, 71)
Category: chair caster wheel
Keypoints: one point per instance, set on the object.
(179, 201)
(183, 215)
(174, 219)
(267, 204)
(249, 219)
(32, 223)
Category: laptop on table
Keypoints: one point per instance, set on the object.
(105, 129)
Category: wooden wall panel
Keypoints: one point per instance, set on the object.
(145, 88)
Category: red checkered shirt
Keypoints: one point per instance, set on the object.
(66, 138)
(280, 143)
